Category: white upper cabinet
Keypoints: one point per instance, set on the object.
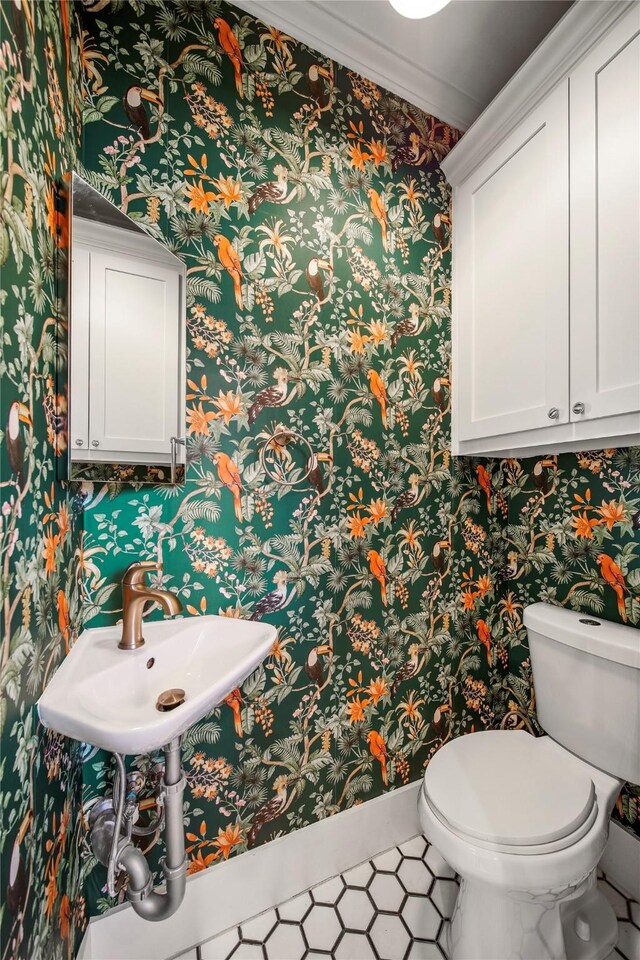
(546, 247)
(127, 347)
(511, 225)
(605, 221)
(134, 343)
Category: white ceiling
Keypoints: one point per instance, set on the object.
(451, 64)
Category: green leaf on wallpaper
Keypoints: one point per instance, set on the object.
(207, 289)
(633, 579)
(206, 732)
(583, 600)
(255, 56)
(198, 67)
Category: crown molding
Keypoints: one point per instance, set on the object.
(559, 52)
(336, 37)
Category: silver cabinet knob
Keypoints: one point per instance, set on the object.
(79, 443)
(554, 413)
(578, 408)
(95, 443)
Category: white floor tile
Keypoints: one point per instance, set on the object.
(329, 891)
(629, 940)
(386, 892)
(296, 908)
(221, 946)
(389, 936)
(421, 917)
(414, 847)
(259, 927)
(420, 950)
(322, 928)
(356, 909)
(359, 876)
(286, 943)
(389, 860)
(248, 951)
(415, 877)
(354, 946)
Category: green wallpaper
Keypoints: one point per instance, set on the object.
(41, 898)
(397, 579)
(310, 209)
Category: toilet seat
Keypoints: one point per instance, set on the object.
(511, 792)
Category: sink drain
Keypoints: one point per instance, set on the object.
(170, 699)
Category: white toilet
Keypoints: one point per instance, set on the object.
(524, 820)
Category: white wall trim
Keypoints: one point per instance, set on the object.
(621, 861)
(231, 891)
(336, 37)
(549, 63)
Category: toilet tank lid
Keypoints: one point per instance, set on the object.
(602, 638)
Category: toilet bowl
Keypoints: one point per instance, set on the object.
(524, 820)
(524, 823)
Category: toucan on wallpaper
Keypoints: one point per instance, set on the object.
(309, 208)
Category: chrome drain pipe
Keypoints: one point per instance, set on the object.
(149, 903)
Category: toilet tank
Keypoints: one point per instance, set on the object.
(586, 675)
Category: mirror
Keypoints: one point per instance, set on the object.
(126, 368)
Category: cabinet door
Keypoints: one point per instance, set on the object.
(134, 355)
(605, 225)
(511, 280)
(79, 354)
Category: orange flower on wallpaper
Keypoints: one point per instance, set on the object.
(355, 709)
(50, 544)
(468, 598)
(357, 341)
(62, 520)
(584, 525)
(484, 585)
(228, 839)
(230, 190)
(379, 331)
(378, 511)
(612, 513)
(378, 152)
(229, 405)
(198, 421)
(199, 862)
(357, 156)
(377, 689)
(410, 193)
(356, 525)
(199, 197)
(65, 917)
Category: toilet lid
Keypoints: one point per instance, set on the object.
(507, 787)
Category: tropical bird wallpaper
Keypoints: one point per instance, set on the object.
(41, 883)
(315, 224)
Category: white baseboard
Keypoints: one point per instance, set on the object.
(231, 891)
(621, 861)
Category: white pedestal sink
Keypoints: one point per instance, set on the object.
(107, 697)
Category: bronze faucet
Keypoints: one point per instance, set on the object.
(135, 594)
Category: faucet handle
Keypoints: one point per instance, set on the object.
(135, 572)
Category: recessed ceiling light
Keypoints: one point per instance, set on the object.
(417, 9)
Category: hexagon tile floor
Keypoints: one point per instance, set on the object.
(390, 908)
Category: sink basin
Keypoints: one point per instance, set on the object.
(107, 697)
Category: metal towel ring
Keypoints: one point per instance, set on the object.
(312, 460)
